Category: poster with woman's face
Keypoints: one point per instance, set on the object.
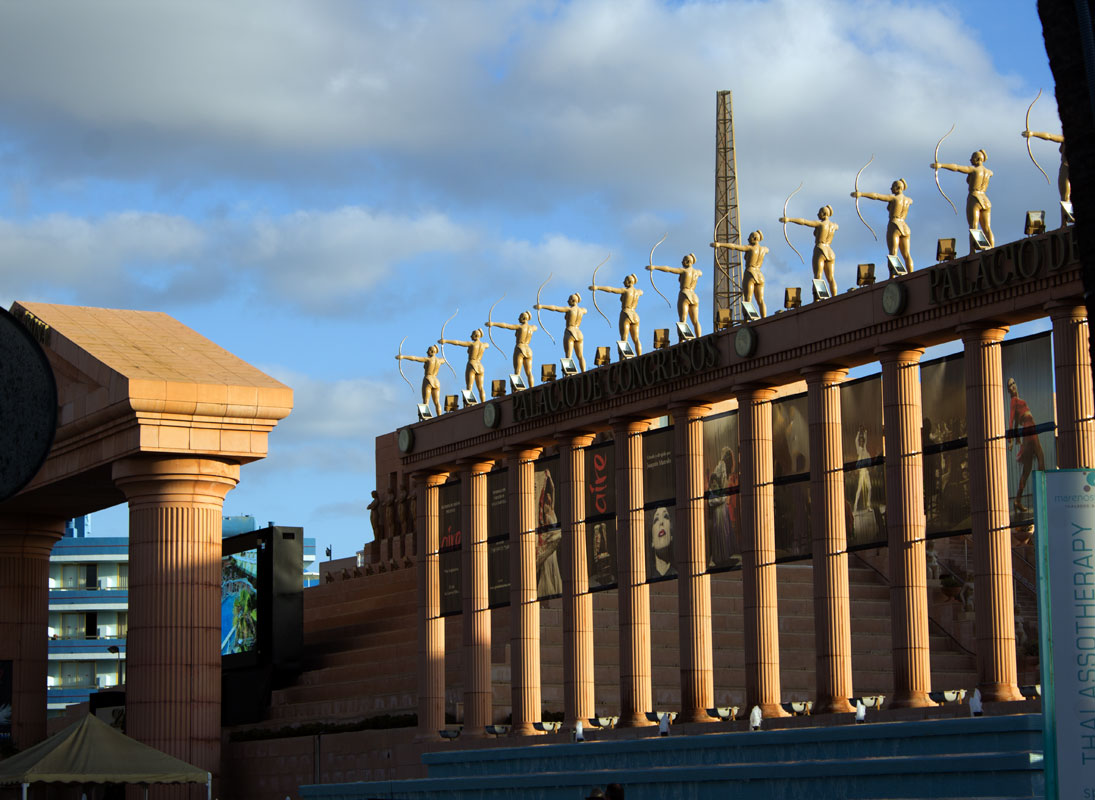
(861, 444)
(943, 437)
(549, 578)
(659, 537)
(1027, 399)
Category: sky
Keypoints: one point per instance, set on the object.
(306, 183)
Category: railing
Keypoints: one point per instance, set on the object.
(100, 585)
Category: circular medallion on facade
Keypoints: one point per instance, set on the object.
(745, 341)
(894, 298)
(28, 406)
(491, 415)
(406, 440)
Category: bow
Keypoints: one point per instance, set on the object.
(1027, 131)
(937, 186)
(490, 328)
(542, 285)
(399, 363)
(593, 282)
(651, 260)
(441, 341)
(785, 236)
(875, 235)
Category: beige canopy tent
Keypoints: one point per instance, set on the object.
(90, 751)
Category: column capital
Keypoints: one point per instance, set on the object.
(576, 438)
(629, 426)
(522, 452)
(157, 480)
(689, 409)
(986, 331)
(753, 392)
(29, 535)
(824, 373)
(429, 479)
(1069, 308)
(899, 353)
(476, 465)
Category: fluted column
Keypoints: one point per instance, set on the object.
(690, 553)
(478, 707)
(524, 606)
(636, 692)
(832, 600)
(1072, 371)
(905, 525)
(173, 657)
(758, 550)
(431, 625)
(578, 687)
(990, 520)
(25, 545)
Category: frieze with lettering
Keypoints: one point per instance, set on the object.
(651, 369)
(1007, 265)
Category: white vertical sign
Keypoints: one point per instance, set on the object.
(1065, 519)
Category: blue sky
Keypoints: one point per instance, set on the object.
(307, 182)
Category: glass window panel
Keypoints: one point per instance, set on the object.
(1028, 418)
(790, 437)
(792, 507)
(659, 484)
(549, 579)
(498, 581)
(601, 552)
(600, 464)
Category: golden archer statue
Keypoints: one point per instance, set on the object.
(522, 352)
(629, 317)
(572, 337)
(1064, 185)
(431, 386)
(688, 303)
(473, 372)
(978, 207)
(753, 280)
(823, 259)
(898, 234)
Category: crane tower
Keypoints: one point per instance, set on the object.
(727, 294)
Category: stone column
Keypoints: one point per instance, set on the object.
(25, 544)
(758, 550)
(478, 707)
(905, 525)
(523, 603)
(173, 656)
(431, 625)
(832, 600)
(1072, 370)
(636, 692)
(990, 519)
(690, 553)
(578, 687)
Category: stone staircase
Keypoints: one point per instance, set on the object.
(969, 758)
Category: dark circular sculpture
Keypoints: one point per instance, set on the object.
(28, 406)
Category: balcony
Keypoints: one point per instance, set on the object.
(105, 599)
(97, 648)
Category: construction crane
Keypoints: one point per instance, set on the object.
(728, 273)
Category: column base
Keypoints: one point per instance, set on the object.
(770, 711)
(524, 729)
(635, 720)
(832, 705)
(694, 715)
(1000, 693)
(911, 700)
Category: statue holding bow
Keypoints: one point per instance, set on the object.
(431, 386)
(629, 302)
(522, 351)
(688, 303)
(572, 337)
